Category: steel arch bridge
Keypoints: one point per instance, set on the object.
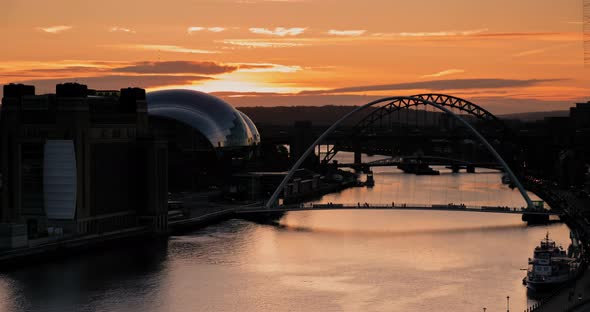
(396, 105)
(403, 102)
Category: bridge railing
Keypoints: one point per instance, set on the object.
(450, 206)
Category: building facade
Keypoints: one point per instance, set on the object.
(80, 162)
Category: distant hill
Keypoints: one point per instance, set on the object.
(326, 115)
(287, 115)
(318, 115)
(532, 116)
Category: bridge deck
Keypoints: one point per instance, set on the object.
(395, 164)
(365, 206)
(425, 160)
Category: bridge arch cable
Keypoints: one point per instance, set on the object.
(448, 101)
(392, 104)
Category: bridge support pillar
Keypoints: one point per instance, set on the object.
(470, 169)
(358, 158)
(455, 168)
(370, 179)
(530, 218)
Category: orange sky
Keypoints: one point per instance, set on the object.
(509, 56)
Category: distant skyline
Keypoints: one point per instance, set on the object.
(508, 56)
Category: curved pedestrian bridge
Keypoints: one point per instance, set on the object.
(260, 208)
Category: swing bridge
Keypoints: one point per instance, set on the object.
(450, 163)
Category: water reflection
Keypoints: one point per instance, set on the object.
(81, 280)
(360, 260)
(370, 260)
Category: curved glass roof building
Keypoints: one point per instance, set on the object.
(222, 124)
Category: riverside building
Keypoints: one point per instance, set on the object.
(78, 162)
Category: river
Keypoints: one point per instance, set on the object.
(350, 260)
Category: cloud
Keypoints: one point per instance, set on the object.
(444, 73)
(216, 29)
(52, 72)
(267, 68)
(66, 70)
(121, 29)
(438, 85)
(346, 32)
(530, 52)
(166, 48)
(479, 34)
(261, 44)
(444, 33)
(98, 74)
(268, 1)
(423, 39)
(118, 81)
(544, 49)
(207, 68)
(278, 31)
(54, 29)
(194, 29)
(453, 33)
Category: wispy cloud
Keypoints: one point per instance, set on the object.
(121, 29)
(419, 39)
(433, 34)
(278, 31)
(267, 68)
(101, 74)
(530, 52)
(444, 73)
(263, 1)
(216, 29)
(261, 44)
(438, 85)
(64, 69)
(194, 29)
(167, 48)
(54, 29)
(543, 49)
(173, 67)
(336, 32)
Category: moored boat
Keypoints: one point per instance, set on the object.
(549, 267)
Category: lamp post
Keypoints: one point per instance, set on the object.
(507, 303)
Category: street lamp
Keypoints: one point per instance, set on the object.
(507, 303)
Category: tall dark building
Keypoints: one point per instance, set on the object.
(301, 140)
(581, 115)
(79, 162)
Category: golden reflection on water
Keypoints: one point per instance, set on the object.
(369, 260)
(375, 260)
(380, 260)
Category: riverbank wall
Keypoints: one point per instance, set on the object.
(68, 246)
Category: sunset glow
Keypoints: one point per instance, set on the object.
(273, 52)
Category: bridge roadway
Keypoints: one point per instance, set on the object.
(393, 206)
(426, 160)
